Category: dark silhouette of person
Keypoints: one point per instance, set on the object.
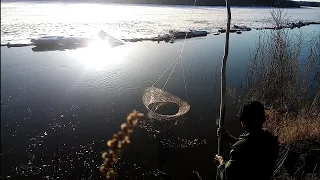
(253, 156)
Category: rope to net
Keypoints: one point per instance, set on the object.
(175, 62)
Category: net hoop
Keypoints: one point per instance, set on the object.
(153, 98)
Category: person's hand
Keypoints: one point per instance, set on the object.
(223, 132)
(218, 159)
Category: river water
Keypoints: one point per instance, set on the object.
(58, 108)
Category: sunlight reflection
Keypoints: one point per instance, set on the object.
(99, 55)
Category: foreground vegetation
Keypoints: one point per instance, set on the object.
(284, 74)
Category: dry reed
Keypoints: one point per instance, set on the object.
(116, 145)
(290, 129)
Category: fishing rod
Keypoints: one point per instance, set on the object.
(223, 82)
(223, 87)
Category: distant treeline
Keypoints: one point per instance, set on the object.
(281, 3)
(310, 4)
(266, 3)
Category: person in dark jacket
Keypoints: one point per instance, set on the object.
(253, 156)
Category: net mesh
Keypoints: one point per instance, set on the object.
(154, 98)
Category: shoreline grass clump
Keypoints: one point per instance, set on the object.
(117, 143)
(291, 129)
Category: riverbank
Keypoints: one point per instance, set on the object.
(300, 144)
(284, 74)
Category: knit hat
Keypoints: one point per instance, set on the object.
(252, 114)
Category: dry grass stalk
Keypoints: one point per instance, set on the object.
(291, 128)
(117, 143)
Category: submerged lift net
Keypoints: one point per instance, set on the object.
(155, 98)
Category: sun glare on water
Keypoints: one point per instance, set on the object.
(99, 55)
